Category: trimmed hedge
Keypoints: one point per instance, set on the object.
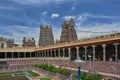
(53, 69)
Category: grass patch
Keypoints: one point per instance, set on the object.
(33, 73)
(9, 73)
(19, 73)
(45, 79)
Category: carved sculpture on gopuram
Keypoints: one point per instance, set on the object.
(8, 42)
(68, 33)
(28, 42)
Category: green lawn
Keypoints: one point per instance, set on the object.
(30, 72)
(33, 73)
(45, 79)
(9, 73)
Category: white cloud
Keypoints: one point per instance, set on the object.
(18, 32)
(87, 15)
(29, 2)
(56, 33)
(54, 15)
(97, 30)
(43, 13)
(73, 7)
(7, 8)
(68, 17)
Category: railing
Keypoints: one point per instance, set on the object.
(98, 38)
(82, 41)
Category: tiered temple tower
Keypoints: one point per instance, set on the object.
(46, 35)
(68, 33)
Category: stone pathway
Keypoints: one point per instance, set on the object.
(37, 78)
(42, 75)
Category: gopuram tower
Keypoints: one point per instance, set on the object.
(46, 35)
(68, 33)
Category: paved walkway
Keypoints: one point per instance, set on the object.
(43, 75)
(37, 78)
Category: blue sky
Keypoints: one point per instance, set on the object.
(22, 18)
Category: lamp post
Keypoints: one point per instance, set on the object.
(79, 64)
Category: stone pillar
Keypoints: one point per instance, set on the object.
(63, 52)
(85, 53)
(69, 53)
(18, 54)
(116, 50)
(30, 54)
(45, 54)
(24, 54)
(44, 57)
(54, 53)
(12, 55)
(93, 52)
(48, 53)
(77, 51)
(104, 52)
(5, 55)
(38, 53)
(51, 53)
(59, 53)
(35, 54)
(42, 54)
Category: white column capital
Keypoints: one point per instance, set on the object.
(104, 45)
(116, 44)
(85, 47)
(69, 48)
(77, 47)
(93, 46)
